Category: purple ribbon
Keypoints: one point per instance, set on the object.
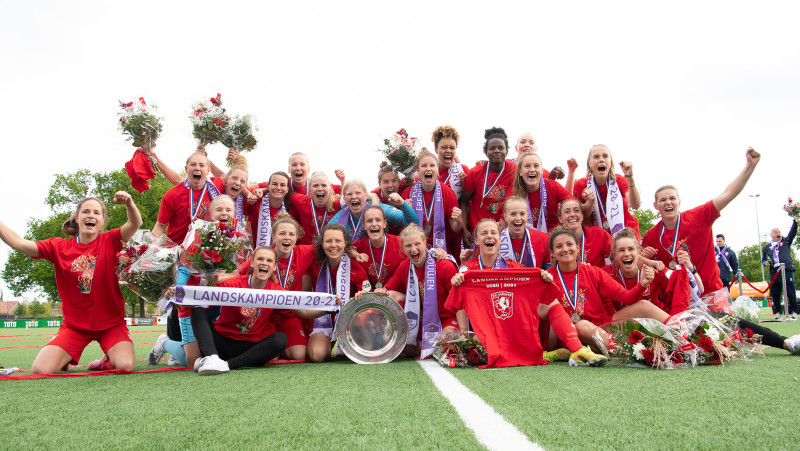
(418, 202)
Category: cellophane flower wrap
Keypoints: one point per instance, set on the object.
(213, 246)
(209, 122)
(401, 151)
(746, 308)
(140, 123)
(642, 343)
(147, 266)
(456, 350)
(239, 135)
(793, 208)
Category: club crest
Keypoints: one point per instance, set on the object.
(503, 303)
(412, 320)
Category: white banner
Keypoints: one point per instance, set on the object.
(248, 297)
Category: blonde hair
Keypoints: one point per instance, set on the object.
(425, 153)
(329, 199)
(296, 154)
(588, 158)
(520, 188)
(411, 230)
(218, 199)
(273, 277)
(200, 151)
(285, 218)
(356, 182)
(70, 226)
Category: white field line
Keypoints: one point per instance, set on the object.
(490, 428)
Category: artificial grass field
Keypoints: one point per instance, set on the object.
(752, 405)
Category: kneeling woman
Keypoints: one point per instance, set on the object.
(242, 336)
(587, 292)
(424, 305)
(335, 273)
(85, 271)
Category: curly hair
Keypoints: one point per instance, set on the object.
(444, 131)
(491, 133)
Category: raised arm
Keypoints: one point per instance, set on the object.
(792, 234)
(134, 217)
(737, 185)
(18, 243)
(633, 194)
(169, 173)
(398, 212)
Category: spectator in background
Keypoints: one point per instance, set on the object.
(726, 260)
(774, 253)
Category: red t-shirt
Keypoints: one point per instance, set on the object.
(445, 270)
(357, 276)
(443, 172)
(255, 215)
(540, 244)
(502, 307)
(492, 205)
(175, 207)
(696, 232)
(622, 183)
(597, 246)
(245, 323)
(86, 280)
(555, 194)
(391, 258)
(670, 294)
(596, 292)
(452, 239)
(474, 264)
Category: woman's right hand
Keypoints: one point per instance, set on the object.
(457, 279)
(169, 293)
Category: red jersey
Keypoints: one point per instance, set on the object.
(502, 307)
(500, 187)
(670, 294)
(357, 276)
(452, 239)
(695, 232)
(86, 280)
(254, 215)
(540, 244)
(392, 257)
(445, 270)
(597, 245)
(555, 194)
(622, 183)
(303, 212)
(596, 292)
(444, 173)
(245, 323)
(473, 265)
(175, 208)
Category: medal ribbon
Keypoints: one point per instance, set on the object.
(317, 224)
(378, 266)
(573, 300)
(526, 255)
(283, 279)
(674, 246)
(324, 324)
(500, 263)
(193, 209)
(541, 225)
(486, 180)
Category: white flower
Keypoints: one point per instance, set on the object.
(713, 333)
(637, 351)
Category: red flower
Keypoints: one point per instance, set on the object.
(191, 250)
(749, 333)
(146, 265)
(198, 112)
(635, 337)
(676, 358)
(648, 355)
(130, 104)
(218, 121)
(474, 357)
(223, 225)
(705, 343)
(214, 256)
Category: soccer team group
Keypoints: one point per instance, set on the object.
(440, 223)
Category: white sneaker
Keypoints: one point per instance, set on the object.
(157, 353)
(777, 317)
(793, 343)
(794, 316)
(212, 365)
(198, 362)
(173, 361)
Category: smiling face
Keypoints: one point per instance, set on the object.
(496, 151)
(487, 238)
(263, 264)
(284, 236)
(526, 143)
(414, 248)
(389, 183)
(319, 188)
(235, 182)
(298, 169)
(667, 203)
(221, 210)
(197, 170)
(571, 215)
(530, 170)
(565, 250)
(374, 223)
(90, 217)
(278, 187)
(333, 243)
(515, 213)
(428, 169)
(626, 254)
(355, 198)
(600, 161)
(446, 150)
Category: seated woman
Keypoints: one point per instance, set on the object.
(242, 336)
(487, 240)
(587, 292)
(334, 273)
(85, 271)
(594, 243)
(424, 305)
(541, 195)
(355, 202)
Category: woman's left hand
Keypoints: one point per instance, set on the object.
(546, 276)
(684, 260)
(648, 274)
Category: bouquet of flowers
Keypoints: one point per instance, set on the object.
(459, 351)
(239, 135)
(152, 271)
(209, 122)
(642, 343)
(401, 151)
(746, 308)
(213, 246)
(793, 208)
(140, 123)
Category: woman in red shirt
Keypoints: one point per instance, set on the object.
(380, 253)
(594, 243)
(241, 336)
(518, 241)
(451, 172)
(85, 270)
(542, 195)
(314, 210)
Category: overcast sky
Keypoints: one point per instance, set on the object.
(681, 89)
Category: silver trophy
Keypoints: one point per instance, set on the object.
(372, 329)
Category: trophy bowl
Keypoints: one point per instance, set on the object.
(372, 329)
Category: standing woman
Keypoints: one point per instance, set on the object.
(542, 195)
(518, 241)
(436, 206)
(451, 172)
(381, 253)
(594, 243)
(333, 273)
(355, 202)
(313, 211)
(262, 215)
(488, 185)
(605, 196)
(85, 271)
